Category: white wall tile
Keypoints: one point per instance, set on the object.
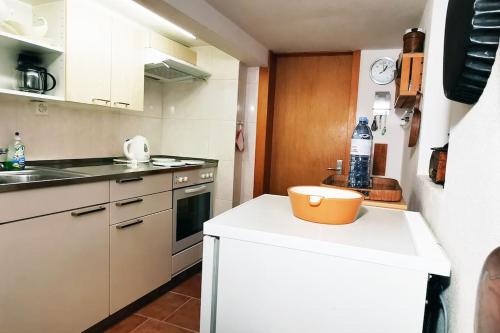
(222, 140)
(186, 137)
(221, 206)
(224, 180)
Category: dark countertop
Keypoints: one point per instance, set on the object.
(97, 169)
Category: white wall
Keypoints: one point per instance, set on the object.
(394, 137)
(78, 131)
(248, 92)
(200, 119)
(461, 215)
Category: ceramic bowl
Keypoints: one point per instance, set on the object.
(325, 205)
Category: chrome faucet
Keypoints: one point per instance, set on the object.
(3, 157)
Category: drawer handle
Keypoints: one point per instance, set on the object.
(122, 103)
(90, 211)
(128, 180)
(195, 190)
(129, 202)
(101, 100)
(123, 226)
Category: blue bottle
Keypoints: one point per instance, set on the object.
(361, 151)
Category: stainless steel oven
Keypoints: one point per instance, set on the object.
(193, 201)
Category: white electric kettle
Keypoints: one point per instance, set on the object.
(137, 149)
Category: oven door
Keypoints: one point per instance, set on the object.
(192, 207)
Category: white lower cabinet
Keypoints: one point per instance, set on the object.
(54, 272)
(140, 257)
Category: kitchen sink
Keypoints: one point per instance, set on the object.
(33, 174)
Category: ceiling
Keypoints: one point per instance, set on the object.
(323, 25)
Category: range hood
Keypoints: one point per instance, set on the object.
(160, 66)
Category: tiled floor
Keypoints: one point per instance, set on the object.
(178, 311)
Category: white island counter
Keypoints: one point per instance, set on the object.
(266, 271)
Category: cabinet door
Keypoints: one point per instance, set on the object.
(140, 257)
(54, 272)
(127, 63)
(88, 53)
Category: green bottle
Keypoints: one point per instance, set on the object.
(15, 156)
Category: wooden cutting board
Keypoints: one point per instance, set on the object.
(383, 189)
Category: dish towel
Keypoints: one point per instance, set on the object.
(240, 141)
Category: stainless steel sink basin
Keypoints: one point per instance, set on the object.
(33, 174)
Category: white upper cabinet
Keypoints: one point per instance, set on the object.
(88, 53)
(104, 57)
(127, 67)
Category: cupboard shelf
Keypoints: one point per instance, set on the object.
(35, 96)
(23, 44)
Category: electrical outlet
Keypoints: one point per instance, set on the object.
(41, 109)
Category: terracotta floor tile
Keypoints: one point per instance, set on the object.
(164, 306)
(155, 326)
(188, 316)
(127, 324)
(190, 287)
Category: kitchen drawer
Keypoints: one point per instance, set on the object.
(140, 252)
(20, 205)
(187, 258)
(135, 207)
(136, 186)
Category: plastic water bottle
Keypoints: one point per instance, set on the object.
(361, 151)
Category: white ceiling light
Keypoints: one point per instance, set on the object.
(147, 17)
(164, 21)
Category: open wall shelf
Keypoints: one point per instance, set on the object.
(25, 44)
(29, 95)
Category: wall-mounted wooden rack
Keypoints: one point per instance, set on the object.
(409, 81)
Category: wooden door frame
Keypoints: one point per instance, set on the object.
(265, 115)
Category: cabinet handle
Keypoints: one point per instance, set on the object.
(101, 100)
(123, 226)
(90, 211)
(195, 190)
(129, 202)
(128, 180)
(122, 103)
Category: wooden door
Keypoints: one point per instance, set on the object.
(127, 64)
(88, 53)
(312, 118)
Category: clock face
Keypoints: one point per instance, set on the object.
(383, 71)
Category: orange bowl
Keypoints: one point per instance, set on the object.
(325, 205)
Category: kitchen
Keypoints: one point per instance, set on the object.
(104, 95)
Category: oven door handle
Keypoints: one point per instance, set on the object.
(195, 190)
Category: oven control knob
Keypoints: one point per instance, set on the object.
(203, 176)
(185, 179)
(211, 174)
(179, 179)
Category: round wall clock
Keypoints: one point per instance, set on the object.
(383, 71)
(470, 45)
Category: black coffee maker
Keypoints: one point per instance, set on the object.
(31, 77)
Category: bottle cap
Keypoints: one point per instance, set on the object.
(363, 120)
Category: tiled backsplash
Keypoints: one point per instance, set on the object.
(78, 131)
(200, 119)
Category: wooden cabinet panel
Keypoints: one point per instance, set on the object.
(140, 257)
(135, 207)
(25, 204)
(88, 53)
(127, 67)
(136, 186)
(55, 272)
